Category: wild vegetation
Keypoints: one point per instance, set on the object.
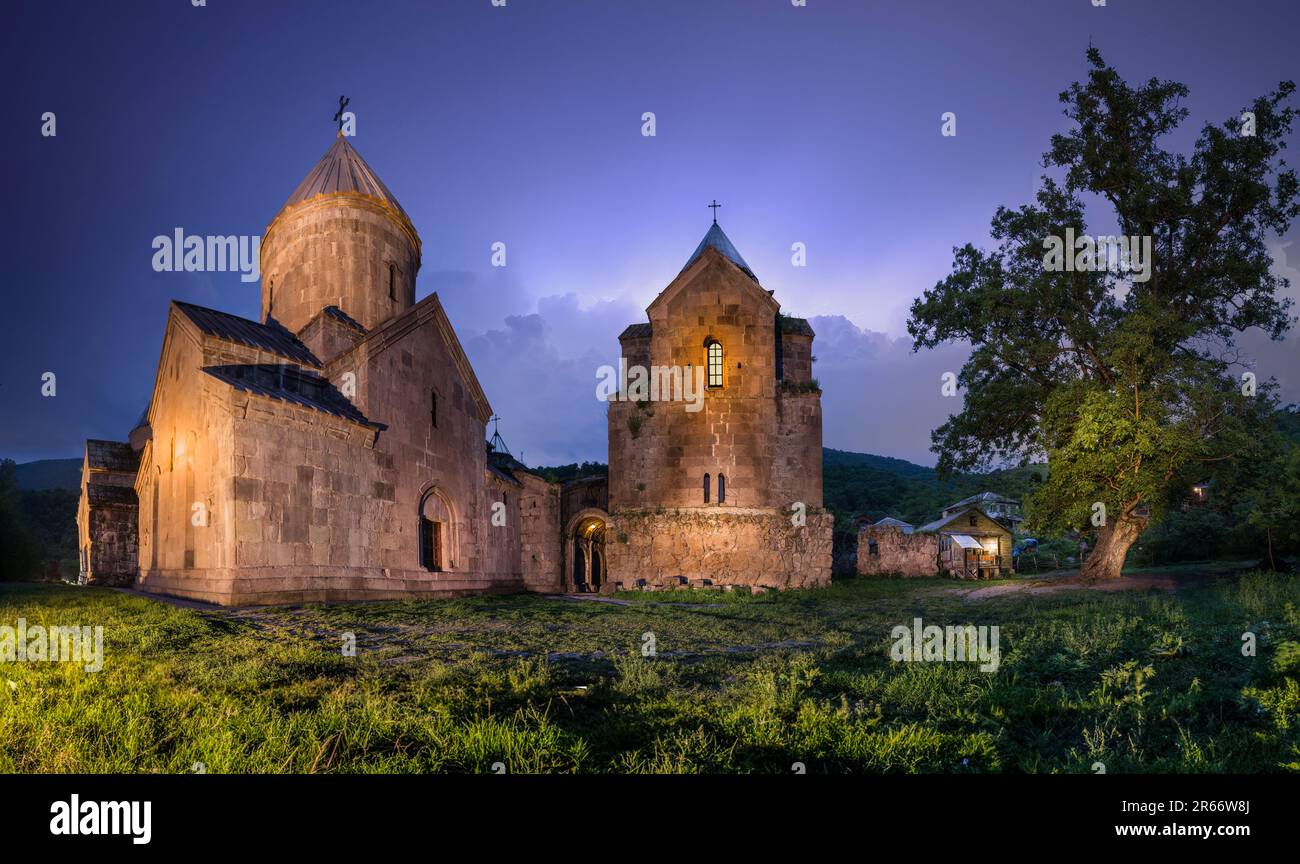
(1139, 682)
(1123, 375)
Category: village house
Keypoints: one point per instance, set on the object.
(966, 543)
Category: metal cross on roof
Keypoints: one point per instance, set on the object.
(715, 205)
(338, 115)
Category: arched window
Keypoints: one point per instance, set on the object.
(706, 488)
(433, 408)
(713, 356)
(392, 281)
(722, 488)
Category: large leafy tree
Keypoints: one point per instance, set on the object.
(1130, 389)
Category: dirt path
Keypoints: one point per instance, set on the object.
(1068, 580)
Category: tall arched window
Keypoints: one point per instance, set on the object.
(433, 408)
(392, 281)
(713, 356)
(722, 488)
(706, 488)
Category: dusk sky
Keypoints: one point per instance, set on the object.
(523, 125)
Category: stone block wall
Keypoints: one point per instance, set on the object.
(896, 553)
(113, 555)
(539, 536)
(336, 251)
(754, 547)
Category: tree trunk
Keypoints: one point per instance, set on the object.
(1107, 559)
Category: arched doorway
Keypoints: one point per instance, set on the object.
(437, 539)
(587, 570)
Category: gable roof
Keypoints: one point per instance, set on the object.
(716, 238)
(290, 384)
(636, 331)
(981, 499)
(941, 523)
(270, 336)
(111, 456)
(379, 339)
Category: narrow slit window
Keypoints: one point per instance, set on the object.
(433, 408)
(722, 488)
(392, 281)
(706, 488)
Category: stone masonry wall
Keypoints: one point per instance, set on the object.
(726, 546)
(897, 554)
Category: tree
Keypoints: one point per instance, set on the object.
(1274, 495)
(19, 555)
(1123, 381)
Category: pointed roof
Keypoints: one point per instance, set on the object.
(718, 240)
(342, 171)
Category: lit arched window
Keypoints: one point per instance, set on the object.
(722, 488)
(713, 352)
(706, 488)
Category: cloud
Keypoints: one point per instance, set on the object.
(539, 372)
(877, 396)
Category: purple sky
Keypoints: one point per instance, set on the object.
(522, 124)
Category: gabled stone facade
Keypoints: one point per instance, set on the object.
(335, 450)
(730, 494)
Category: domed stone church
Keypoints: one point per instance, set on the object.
(337, 449)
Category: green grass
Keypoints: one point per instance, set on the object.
(1149, 682)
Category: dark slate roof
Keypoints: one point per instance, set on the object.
(290, 384)
(108, 495)
(891, 522)
(718, 240)
(982, 498)
(111, 456)
(636, 331)
(339, 315)
(797, 326)
(270, 336)
(342, 170)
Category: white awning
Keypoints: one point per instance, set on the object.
(966, 541)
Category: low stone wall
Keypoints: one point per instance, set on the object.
(896, 553)
(718, 546)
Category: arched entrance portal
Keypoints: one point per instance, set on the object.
(587, 555)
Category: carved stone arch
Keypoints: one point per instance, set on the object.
(585, 563)
(438, 536)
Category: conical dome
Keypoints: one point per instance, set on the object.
(341, 240)
(342, 170)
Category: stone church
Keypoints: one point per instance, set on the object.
(337, 450)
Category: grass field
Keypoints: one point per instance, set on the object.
(1142, 682)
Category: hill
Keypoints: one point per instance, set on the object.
(49, 474)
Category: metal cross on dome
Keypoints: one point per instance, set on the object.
(715, 205)
(338, 115)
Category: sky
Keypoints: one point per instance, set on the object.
(523, 124)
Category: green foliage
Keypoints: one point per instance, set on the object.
(1143, 682)
(1123, 385)
(20, 554)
